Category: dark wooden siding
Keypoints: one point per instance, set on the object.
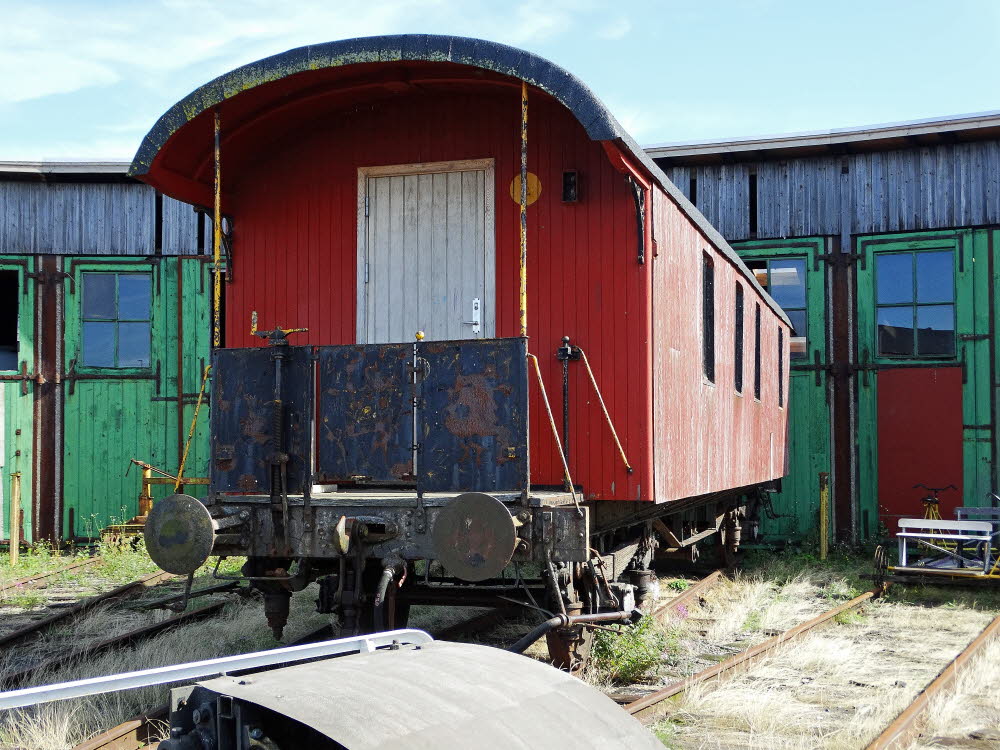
(92, 218)
(952, 185)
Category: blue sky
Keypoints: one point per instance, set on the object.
(87, 78)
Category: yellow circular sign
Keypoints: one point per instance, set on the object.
(534, 188)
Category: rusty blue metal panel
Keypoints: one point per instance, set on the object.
(473, 413)
(244, 443)
(365, 413)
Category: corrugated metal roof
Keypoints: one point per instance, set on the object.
(873, 136)
(64, 167)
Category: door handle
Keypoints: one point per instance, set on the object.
(476, 321)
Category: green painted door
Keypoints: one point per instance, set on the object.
(137, 341)
(924, 414)
(17, 356)
(791, 272)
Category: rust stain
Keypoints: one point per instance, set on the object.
(247, 482)
(472, 415)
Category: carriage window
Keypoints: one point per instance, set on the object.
(9, 302)
(756, 352)
(781, 367)
(708, 317)
(116, 319)
(738, 341)
(785, 280)
(915, 296)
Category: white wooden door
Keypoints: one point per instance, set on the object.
(426, 253)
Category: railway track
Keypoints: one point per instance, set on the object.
(141, 730)
(902, 729)
(647, 708)
(906, 727)
(690, 595)
(40, 580)
(34, 625)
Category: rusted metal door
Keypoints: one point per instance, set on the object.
(924, 386)
(17, 357)
(426, 253)
(789, 271)
(365, 417)
(250, 429)
(472, 421)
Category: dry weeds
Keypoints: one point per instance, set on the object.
(837, 688)
(240, 629)
(968, 713)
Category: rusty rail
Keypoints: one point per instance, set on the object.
(132, 734)
(904, 728)
(646, 707)
(85, 605)
(38, 578)
(689, 594)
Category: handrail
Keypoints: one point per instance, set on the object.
(209, 667)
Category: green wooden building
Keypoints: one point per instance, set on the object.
(881, 244)
(104, 335)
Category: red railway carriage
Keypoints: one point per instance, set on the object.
(372, 189)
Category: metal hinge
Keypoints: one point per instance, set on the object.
(817, 367)
(366, 205)
(973, 336)
(24, 377)
(46, 277)
(864, 366)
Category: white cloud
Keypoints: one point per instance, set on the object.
(615, 29)
(47, 50)
(535, 23)
(62, 47)
(30, 74)
(133, 59)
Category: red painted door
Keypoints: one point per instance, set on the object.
(919, 440)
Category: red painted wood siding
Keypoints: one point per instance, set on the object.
(295, 248)
(708, 437)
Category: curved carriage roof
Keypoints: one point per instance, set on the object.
(487, 56)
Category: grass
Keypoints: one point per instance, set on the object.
(838, 687)
(631, 654)
(838, 577)
(22, 598)
(970, 705)
(39, 558)
(241, 628)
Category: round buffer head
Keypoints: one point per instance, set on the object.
(474, 536)
(179, 534)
